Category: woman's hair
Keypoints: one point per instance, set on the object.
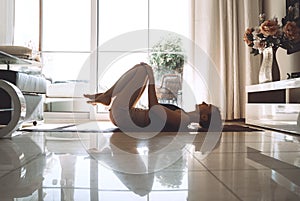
(214, 120)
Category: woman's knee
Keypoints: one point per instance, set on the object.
(141, 70)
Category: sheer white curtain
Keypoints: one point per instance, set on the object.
(6, 22)
(218, 28)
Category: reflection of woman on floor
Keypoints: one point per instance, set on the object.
(159, 117)
(137, 169)
(164, 161)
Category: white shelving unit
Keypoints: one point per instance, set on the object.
(274, 105)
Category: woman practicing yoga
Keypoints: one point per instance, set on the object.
(126, 92)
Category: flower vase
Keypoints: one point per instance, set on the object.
(269, 69)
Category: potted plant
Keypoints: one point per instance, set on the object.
(167, 57)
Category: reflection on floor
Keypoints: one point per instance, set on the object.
(111, 166)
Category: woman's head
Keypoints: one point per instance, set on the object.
(210, 116)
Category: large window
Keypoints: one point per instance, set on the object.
(66, 25)
(27, 20)
(62, 29)
(66, 32)
(171, 15)
(66, 37)
(128, 19)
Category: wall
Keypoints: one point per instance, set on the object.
(287, 63)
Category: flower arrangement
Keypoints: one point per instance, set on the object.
(270, 33)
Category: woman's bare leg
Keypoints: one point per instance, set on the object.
(120, 85)
(129, 88)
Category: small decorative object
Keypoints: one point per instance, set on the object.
(167, 56)
(293, 75)
(267, 38)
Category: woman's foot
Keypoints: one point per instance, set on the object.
(98, 98)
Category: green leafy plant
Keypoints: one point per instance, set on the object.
(167, 56)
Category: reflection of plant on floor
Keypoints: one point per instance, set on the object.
(167, 56)
(172, 176)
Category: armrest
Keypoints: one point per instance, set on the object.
(18, 111)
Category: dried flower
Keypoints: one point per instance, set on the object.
(248, 36)
(270, 27)
(292, 31)
(270, 33)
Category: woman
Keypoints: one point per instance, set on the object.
(126, 92)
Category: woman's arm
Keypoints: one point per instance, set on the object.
(152, 98)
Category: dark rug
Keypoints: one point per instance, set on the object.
(234, 128)
(226, 128)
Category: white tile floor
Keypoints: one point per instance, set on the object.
(109, 166)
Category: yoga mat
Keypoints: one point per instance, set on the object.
(100, 127)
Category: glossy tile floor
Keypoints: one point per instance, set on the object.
(111, 166)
